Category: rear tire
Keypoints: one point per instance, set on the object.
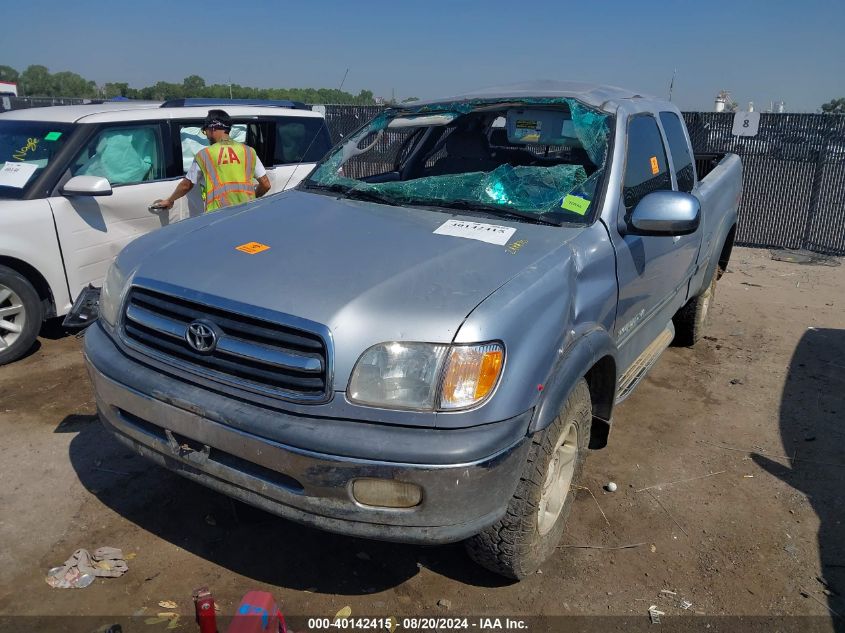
(536, 516)
(691, 320)
(21, 313)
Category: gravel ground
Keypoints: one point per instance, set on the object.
(728, 462)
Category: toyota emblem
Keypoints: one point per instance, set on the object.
(201, 336)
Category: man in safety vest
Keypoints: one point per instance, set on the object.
(225, 169)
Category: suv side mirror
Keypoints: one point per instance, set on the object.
(666, 213)
(87, 186)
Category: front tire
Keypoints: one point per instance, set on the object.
(527, 535)
(21, 313)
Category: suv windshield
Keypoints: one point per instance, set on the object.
(26, 148)
(534, 159)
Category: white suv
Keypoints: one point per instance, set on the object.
(76, 183)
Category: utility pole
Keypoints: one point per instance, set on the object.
(230, 87)
(672, 83)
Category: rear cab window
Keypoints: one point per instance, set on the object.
(26, 149)
(679, 148)
(646, 166)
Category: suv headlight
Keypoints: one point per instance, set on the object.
(111, 294)
(426, 376)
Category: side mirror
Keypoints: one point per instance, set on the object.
(87, 186)
(666, 213)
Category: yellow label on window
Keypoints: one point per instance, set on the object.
(251, 248)
(575, 204)
(654, 166)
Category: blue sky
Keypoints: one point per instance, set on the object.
(760, 51)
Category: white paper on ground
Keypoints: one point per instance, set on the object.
(490, 233)
(16, 174)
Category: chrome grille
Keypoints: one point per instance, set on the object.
(249, 352)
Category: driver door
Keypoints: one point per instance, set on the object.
(92, 230)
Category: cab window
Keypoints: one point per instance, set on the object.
(646, 168)
(304, 140)
(123, 155)
(192, 140)
(678, 146)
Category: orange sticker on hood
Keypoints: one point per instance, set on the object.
(251, 248)
(654, 166)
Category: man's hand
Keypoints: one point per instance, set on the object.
(262, 187)
(161, 205)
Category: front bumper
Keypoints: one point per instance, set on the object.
(212, 439)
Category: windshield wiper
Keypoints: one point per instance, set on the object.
(309, 184)
(352, 193)
(466, 205)
(372, 196)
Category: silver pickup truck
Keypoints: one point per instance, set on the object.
(422, 341)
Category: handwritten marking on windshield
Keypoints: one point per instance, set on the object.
(31, 145)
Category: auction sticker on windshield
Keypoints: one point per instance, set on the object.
(490, 233)
(16, 174)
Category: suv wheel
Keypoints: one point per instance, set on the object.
(21, 314)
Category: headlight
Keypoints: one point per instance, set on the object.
(471, 375)
(111, 294)
(425, 376)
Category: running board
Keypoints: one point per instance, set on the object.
(645, 361)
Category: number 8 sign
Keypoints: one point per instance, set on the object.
(746, 123)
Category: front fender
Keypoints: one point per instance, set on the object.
(573, 363)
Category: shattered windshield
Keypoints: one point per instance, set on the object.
(537, 159)
(26, 148)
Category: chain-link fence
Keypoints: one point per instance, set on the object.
(793, 177)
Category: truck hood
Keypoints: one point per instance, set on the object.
(369, 272)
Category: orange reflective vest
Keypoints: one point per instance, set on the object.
(228, 168)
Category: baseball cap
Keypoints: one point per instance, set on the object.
(217, 120)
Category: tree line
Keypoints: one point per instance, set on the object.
(38, 81)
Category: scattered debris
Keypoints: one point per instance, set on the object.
(596, 500)
(83, 567)
(745, 283)
(446, 604)
(737, 381)
(760, 452)
(653, 548)
(681, 481)
(748, 476)
(654, 614)
(168, 604)
(669, 593)
(610, 487)
(668, 513)
(685, 604)
(603, 546)
(800, 256)
(172, 619)
(807, 594)
(344, 613)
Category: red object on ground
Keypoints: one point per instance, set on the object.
(204, 607)
(257, 613)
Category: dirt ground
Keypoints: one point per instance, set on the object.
(748, 423)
